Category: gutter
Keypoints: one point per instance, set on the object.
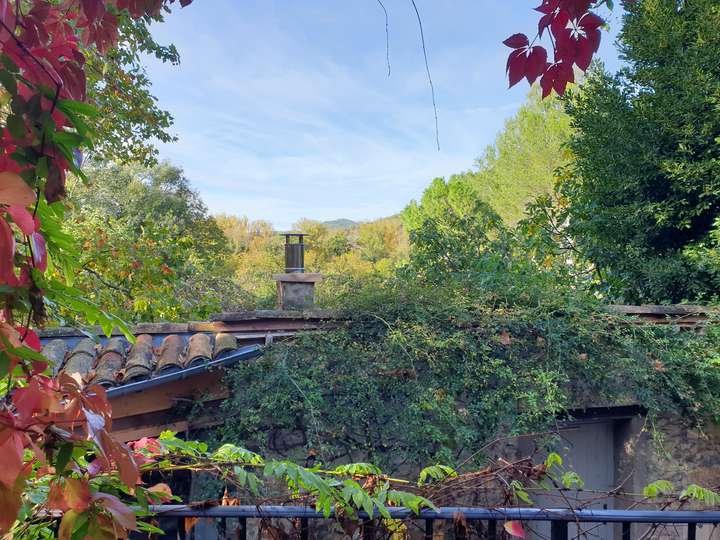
(244, 353)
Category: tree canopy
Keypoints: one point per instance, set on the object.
(151, 250)
(641, 194)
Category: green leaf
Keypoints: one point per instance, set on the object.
(72, 106)
(658, 488)
(553, 459)
(16, 126)
(572, 480)
(382, 509)
(63, 457)
(436, 473)
(8, 81)
(701, 494)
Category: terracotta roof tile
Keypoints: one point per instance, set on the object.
(170, 356)
(55, 351)
(140, 360)
(118, 363)
(199, 350)
(81, 359)
(224, 343)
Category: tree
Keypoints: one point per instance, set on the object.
(520, 166)
(452, 230)
(240, 231)
(151, 250)
(642, 192)
(130, 120)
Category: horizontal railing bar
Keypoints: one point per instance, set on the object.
(449, 513)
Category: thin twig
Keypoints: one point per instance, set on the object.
(427, 70)
(387, 35)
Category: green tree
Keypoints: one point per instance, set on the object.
(452, 230)
(151, 251)
(240, 231)
(130, 120)
(520, 165)
(643, 191)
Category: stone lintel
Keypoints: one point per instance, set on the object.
(298, 277)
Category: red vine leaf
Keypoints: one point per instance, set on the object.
(69, 494)
(162, 492)
(12, 443)
(536, 64)
(22, 218)
(7, 254)
(14, 190)
(517, 41)
(515, 528)
(121, 513)
(516, 66)
(11, 499)
(39, 251)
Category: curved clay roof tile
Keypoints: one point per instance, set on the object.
(116, 345)
(82, 358)
(199, 350)
(170, 357)
(140, 361)
(224, 343)
(108, 366)
(55, 351)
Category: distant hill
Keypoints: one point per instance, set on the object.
(340, 224)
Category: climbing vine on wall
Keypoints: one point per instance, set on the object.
(427, 373)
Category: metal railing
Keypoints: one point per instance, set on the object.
(493, 519)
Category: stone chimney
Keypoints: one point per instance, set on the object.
(296, 289)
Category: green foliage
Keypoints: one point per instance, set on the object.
(658, 488)
(422, 373)
(456, 236)
(340, 254)
(151, 252)
(521, 164)
(435, 473)
(332, 490)
(700, 494)
(572, 480)
(641, 195)
(130, 119)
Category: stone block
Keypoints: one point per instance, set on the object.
(296, 291)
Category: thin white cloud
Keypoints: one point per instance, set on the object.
(284, 109)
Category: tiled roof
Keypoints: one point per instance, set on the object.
(117, 363)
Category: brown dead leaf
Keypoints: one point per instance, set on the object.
(190, 522)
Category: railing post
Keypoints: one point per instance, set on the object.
(429, 529)
(558, 530)
(368, 530)
(492, 529)
(241, 529)
(182, 534)
(692, 529)
(304, 532)
(626, 530)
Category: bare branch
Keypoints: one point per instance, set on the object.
(387, 35)
(427, 70)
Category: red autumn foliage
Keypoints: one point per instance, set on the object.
(575, 35)
(42, 70)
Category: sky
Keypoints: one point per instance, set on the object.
(284, 109)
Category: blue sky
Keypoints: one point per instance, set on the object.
(284, 109)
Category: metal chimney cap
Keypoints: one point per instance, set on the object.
(289, 235)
